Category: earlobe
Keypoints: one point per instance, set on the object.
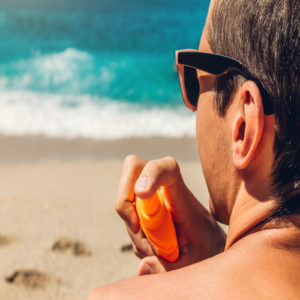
(248, 125)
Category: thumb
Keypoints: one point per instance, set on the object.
(150, 265)
(157, 173)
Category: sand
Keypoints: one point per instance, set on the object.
(59, 234)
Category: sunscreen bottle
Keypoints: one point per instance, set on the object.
(158, 226)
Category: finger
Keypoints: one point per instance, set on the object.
(150, 265)
(141, 245)
(132, 168)
(156, 173)
(164, 173)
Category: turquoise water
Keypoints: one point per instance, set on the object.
(102, 69)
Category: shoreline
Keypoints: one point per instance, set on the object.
(16, 149)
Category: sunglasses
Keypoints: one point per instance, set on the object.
(187, 63)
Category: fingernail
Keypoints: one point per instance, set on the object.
(147, 270)
(142, 183)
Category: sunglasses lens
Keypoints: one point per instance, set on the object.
(191, 85)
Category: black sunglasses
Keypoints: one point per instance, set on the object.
(187, 63)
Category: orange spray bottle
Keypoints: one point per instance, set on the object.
(158, 226)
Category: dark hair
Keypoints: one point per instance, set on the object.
(264, 36)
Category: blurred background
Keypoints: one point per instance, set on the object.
(100, 69)
(83, 83)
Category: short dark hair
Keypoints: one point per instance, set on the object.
(264, 36)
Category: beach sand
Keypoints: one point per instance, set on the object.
(59, 234)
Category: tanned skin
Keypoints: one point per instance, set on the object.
(260, 257)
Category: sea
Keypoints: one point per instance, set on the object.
(100, 69)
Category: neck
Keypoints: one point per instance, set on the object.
(252, 204)
(247, 212)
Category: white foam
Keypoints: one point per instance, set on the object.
(32, 113)
(49, 70)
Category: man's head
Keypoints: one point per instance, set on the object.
(264, 36)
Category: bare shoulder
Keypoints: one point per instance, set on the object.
(250, 272)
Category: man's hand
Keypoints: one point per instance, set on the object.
(199, 235)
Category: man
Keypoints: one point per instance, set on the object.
(248, 127)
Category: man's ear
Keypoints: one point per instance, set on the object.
(248, 125)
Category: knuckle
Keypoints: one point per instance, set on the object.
(172, 163)
(166, 162)
(132, 165)
(130, 159)
(137, 251)
(118, 207)
(141, 247)
(123, 211)
(160, 167)
(132, 162)
(152, 164)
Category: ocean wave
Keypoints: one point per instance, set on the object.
(33, 113)
(47, 71)
(135, 77)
